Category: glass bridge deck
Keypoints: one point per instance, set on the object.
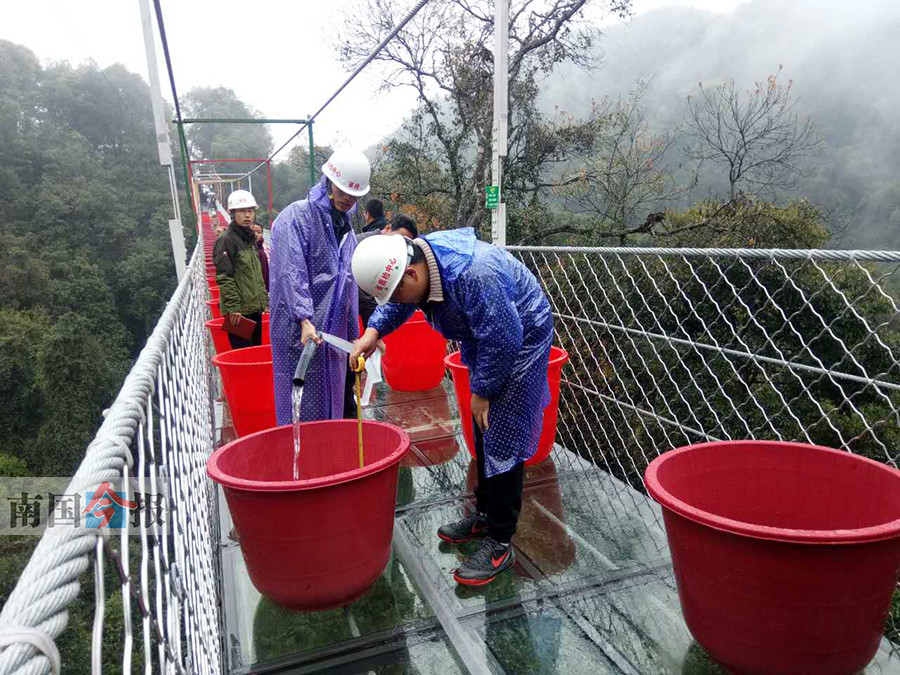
(592, 592)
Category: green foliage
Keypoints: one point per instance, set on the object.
(12, 467)
(226, 141)
(85, 258)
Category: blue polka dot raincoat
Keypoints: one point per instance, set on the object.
(310, 278)
(497, 311)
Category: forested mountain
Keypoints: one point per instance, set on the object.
(841, 58)
(85, 259)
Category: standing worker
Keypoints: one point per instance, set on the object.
(313, 289)
(238, 272)
(491, 303)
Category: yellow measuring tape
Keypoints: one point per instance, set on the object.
(360, 367)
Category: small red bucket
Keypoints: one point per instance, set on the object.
(785, 555)
(414, 358)
(558, 358)
(321, 541)
(247, 380)
(214, 308)
(220, 336)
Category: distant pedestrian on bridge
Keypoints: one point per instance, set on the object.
(263, 252)
(242, 292)
(313, 289)
(374, 215)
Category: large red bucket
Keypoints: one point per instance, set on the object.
(558, 358)
(220, 337)
(785, 554)
(414, 358)
(321, 541)
(247, 380)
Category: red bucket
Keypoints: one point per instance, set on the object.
(214, 308)
(214, 293)
(414, 358)
(786, 555)
(220, 336)
(558, 358)
(321, 541)
(247, 380)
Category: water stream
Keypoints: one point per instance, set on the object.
(296, 398)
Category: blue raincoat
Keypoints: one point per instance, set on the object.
(310, 278)
(495, 308)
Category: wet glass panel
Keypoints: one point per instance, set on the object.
(435, 469)
(542, 641)
(259, 630)
(442, 559)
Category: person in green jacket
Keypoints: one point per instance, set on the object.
(242, 291)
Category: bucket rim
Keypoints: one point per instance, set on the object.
(558, 355)
(887, 530)
(224, 358)
(226, 480)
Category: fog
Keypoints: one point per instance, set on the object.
(842, 58)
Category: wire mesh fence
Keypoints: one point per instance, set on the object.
(671, 347)
(156, 600)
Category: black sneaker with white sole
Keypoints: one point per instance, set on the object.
(467, 529)
(485, 563)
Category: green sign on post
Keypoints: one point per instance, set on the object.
(491, 196)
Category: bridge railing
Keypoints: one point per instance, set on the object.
(668, 347)
(671, 347)
(156, 601)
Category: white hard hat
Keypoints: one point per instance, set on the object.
(241, 199)
(349, 170)
(379, 263)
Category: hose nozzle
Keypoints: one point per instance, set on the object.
(309, 351)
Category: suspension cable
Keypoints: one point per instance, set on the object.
(371, 57)
(165, 46)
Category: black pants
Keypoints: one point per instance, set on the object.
(349, 395)
(255, 339)
(500, 496)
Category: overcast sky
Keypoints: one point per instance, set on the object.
(227, 42)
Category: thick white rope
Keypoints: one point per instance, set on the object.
(49, 583)
(38, 639)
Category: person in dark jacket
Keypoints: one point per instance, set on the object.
(400, 224)
(374, 215)
(242, 292)
(263, 253)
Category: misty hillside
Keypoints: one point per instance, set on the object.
(841, 56)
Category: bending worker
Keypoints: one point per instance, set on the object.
(491, 303)
(312, 289)
(238, 272)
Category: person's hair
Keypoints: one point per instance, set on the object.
(375, 208)
(404, 221)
